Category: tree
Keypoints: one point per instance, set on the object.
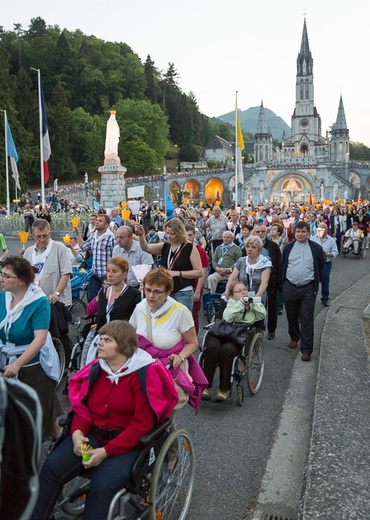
(359, 151)
(143, 121)
(87, 140)
(139, 157)
(151, 76)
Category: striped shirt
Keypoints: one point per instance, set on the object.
(101, 248)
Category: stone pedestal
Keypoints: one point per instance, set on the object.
(112, 184)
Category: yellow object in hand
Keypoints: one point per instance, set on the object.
(85, 448)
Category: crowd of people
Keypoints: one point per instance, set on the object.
(146, 288)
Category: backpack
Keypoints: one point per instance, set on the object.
(20, 449)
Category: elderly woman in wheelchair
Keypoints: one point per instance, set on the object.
(111, 413)
(221, 350)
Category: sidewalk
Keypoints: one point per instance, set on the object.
(337, 481)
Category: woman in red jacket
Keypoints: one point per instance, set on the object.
(111, 415)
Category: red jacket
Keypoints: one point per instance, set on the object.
(114, 406)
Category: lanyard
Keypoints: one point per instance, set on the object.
(172, 257)
(110, 305)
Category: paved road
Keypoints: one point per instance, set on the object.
(233, 443)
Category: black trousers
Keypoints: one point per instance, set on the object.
(272, 310)
(222, 354)
(299, 306)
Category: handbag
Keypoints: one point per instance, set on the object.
(236, 333)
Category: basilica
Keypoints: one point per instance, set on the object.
(304, 166)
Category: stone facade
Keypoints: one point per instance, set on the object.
(112, 186)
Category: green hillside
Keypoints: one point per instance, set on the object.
(249, 120)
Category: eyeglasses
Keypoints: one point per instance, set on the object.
(6, 276)
(260, 232)
(156, 292)
(36, 237)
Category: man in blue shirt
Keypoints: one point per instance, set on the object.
(303, 263)
(329, 246)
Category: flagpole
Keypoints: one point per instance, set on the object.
(6, 162)
(41, 139)
(236, 150)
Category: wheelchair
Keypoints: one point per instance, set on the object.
(212, 301)
(76, 324)
(249, 364)
(361, 249)
(59, 347)
(161, 485)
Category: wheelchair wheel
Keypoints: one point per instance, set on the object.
(256, 363)
(173, 478)
(62, 358)
(74, 496)
(75, 326)
(239, 394)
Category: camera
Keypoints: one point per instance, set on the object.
(251, 299)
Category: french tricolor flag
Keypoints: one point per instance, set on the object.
(45, 138)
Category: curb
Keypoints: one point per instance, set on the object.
(335, 482)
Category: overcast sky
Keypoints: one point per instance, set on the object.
(220, 47)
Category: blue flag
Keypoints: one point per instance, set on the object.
(168, 205)
(12, 153)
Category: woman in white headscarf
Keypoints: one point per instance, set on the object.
(26, 347)
(253, 270)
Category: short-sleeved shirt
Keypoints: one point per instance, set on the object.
(35, 316)
(252, 283)
(56, 265)
(136, 256)
(167, 328)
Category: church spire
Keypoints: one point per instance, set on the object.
(262, 125)
(263, 139)
(304, 60)
(340, 124)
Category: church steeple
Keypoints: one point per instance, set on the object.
(262, 125)
(263, 139)
(304, 60)
(340, 124)
(339, 142)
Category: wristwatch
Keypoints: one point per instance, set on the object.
(57, 293)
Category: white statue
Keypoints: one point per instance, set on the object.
(112, 138)
(262, 190)
(322, 187)
(345, 194)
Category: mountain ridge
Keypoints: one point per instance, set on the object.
(249, 119)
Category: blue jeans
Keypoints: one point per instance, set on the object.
(62, 465)
(184, 297)
(95, 283)
(325, 279)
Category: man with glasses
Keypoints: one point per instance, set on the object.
(53, 264)
(131, 251)
(223, 261)
(271, 250)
